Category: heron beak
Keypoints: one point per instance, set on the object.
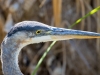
(65, 34)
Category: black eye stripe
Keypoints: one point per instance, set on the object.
(26, 28)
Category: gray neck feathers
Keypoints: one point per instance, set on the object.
(9, 57)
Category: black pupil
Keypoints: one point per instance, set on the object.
(38, 31)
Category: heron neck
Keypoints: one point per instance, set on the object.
(9, 58)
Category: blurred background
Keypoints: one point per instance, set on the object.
(71, 57)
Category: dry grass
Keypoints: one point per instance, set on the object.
(73, 57)
(57, 8)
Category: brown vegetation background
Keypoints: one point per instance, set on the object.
(71, 57)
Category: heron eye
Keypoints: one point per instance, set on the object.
(38, 31)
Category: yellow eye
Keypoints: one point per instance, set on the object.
(38, 31)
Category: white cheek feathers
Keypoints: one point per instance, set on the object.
(44, 39)
(41, 39)
(36, 40)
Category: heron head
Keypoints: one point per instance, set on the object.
(28, 32)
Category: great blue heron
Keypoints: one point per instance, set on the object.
(28, 32)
